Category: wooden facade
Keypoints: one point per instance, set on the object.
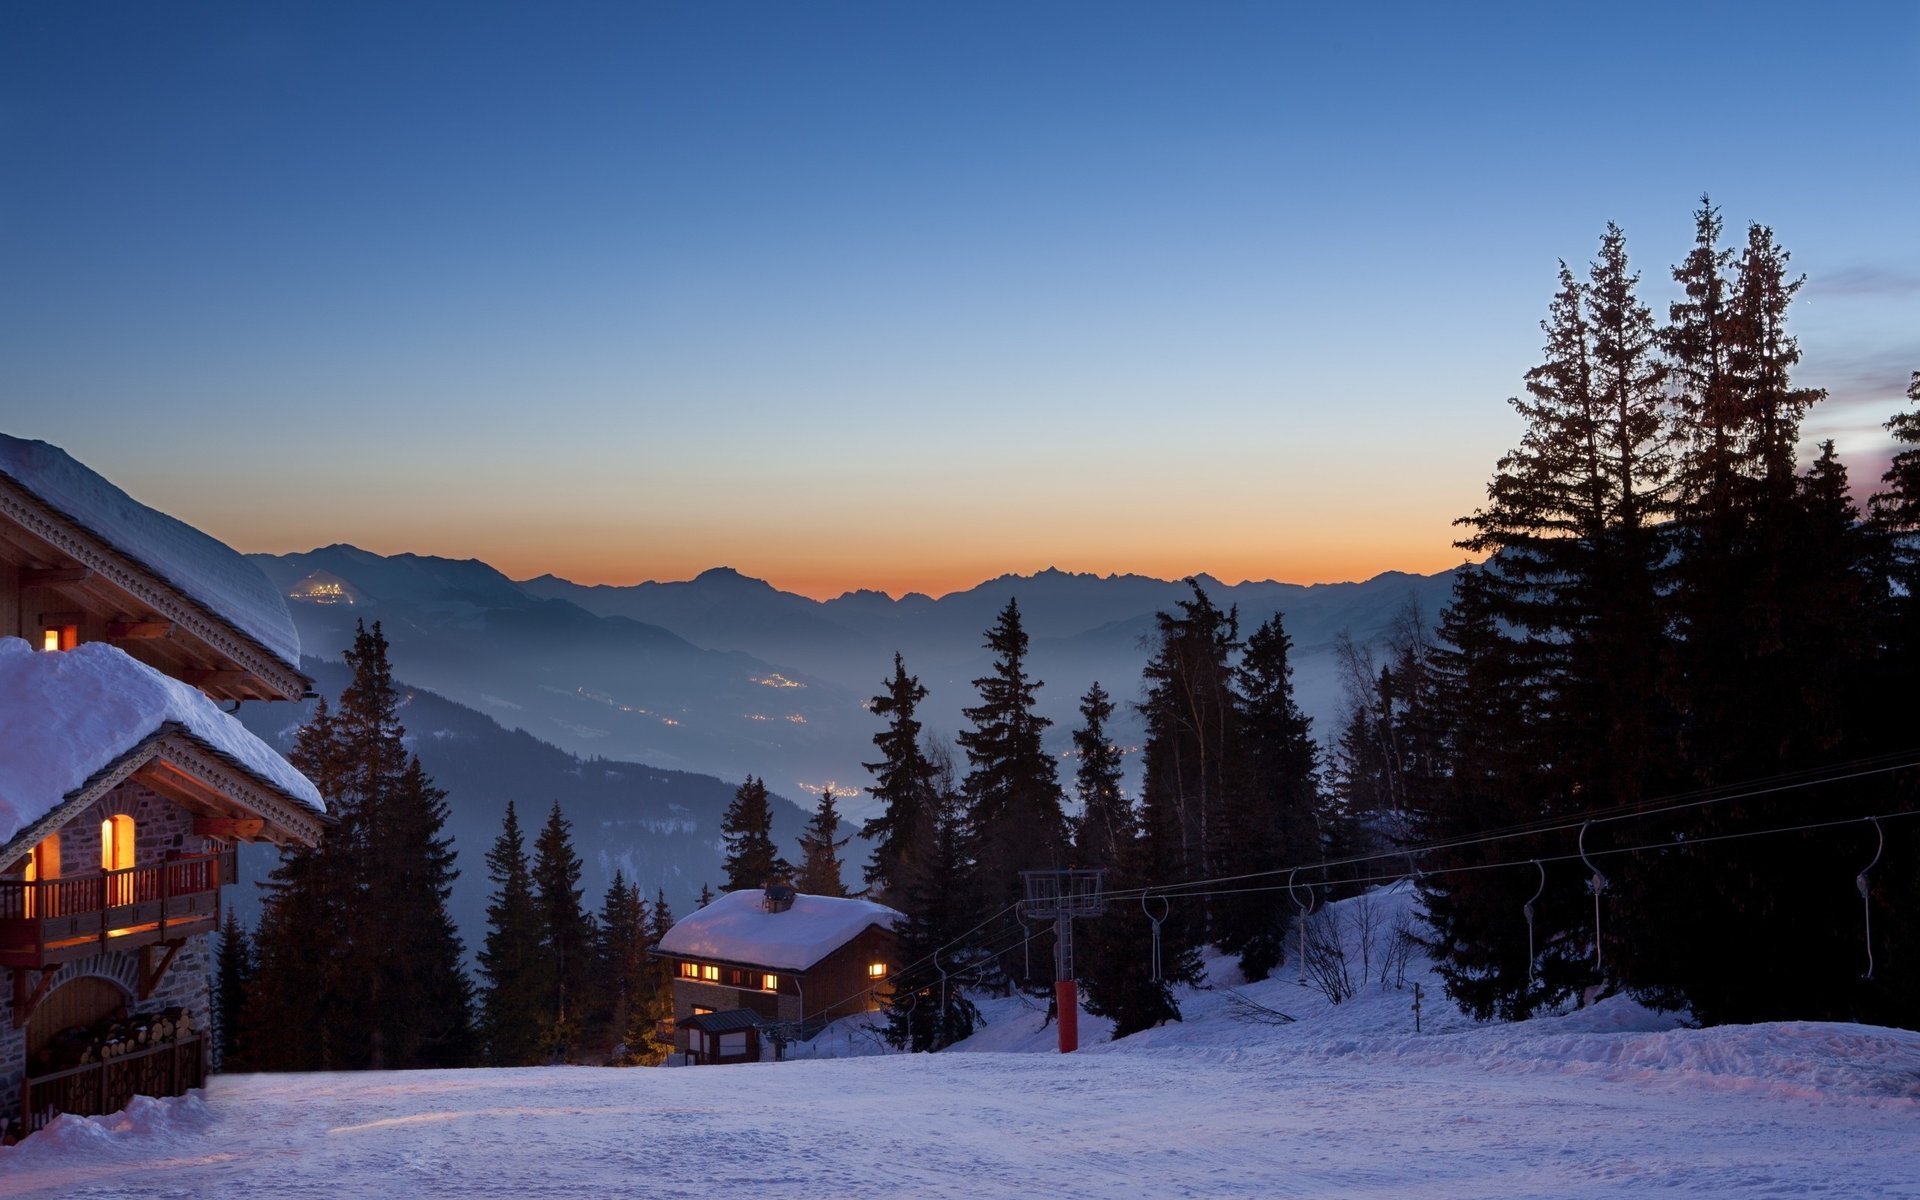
(61, 581)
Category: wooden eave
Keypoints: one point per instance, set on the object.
(194, 775)
(144, 614)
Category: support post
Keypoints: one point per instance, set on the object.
(1066, 994)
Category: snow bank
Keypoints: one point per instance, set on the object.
(205, 568)
(736, 928)
(67, 714)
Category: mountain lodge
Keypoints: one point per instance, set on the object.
(124, 787)
(775, 957)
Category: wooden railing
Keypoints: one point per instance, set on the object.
(65, 916)
(103, 1087)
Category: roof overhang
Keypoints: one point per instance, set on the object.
(160, 625)
(197, 777)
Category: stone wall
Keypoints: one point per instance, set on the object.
(160, 827)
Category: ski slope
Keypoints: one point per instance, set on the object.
(1346, 1101)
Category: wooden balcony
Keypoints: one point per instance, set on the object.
(50, 921)
(98, 1088)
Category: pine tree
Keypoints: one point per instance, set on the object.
(355, 944)
(1106, 823)
(706, 896)
(819, 873)
(1575, 561)
(1268, 819)
(927, 1005)
(567, 933)
(624, 966)
(513, 962)
(1012, 785)
(1193, 753)
(1496, 768)
(425, 1013)
(747, 831)
(235, 971)
(902, 780)
(653, 1006)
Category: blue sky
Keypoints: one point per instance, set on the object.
(894, 295)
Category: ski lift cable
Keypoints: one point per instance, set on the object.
(1798, 780)
(1538, 862)
(1510, 833)
(1502, 864)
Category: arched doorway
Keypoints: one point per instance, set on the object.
(77, 1003)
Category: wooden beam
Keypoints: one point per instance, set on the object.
(228, 829)
(63, 618)
(209, 678)
(130, 631)
(24, 1002)
(53, 576)
(149, 974)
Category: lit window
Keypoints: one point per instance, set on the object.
(710, 973)
(43, 862)
(876, 970)
(116, 854)
(689, 970)
(770, 982)
(59, 637)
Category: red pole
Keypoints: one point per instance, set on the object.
(1067, 997)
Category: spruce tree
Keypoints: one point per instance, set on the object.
(902, 780)
(235, 969)
(624, 967)
(1268, 819)
(1106, 822)
(425, 1018)
(568, 935)
(653, 1005)
(752, 860)
(819, 873)
(706, 895)
(513, 962)
(1012, 785)
(355, 943)
(927, 1006)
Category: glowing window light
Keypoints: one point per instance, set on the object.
(770, 983)
(876, 970)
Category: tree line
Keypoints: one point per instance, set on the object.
(1671, 612)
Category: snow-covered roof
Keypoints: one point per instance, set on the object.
(65, 715)
(206, 569)
(736, 928)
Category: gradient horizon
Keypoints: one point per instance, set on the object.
(852, 295)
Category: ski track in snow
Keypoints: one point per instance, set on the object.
(1346, 1102)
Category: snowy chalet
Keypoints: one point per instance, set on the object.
(752, 959)
(124, 786)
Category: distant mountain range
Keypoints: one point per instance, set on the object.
(659, 827)
(726, 675)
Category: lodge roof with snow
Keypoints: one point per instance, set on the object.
(80, 722)
(178, 598)
(738, 928)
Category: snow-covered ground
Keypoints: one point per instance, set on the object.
(1346, 1101)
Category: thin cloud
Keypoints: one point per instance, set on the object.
(1875, 281)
